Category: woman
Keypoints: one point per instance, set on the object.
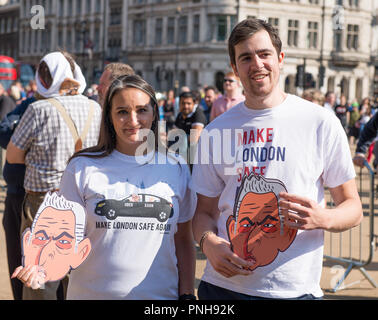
(138, 212)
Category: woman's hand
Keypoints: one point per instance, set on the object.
(31, 276)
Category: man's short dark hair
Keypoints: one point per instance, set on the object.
(189, 94)
(246, 29)
(211, 88)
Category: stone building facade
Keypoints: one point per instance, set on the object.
(172, 43)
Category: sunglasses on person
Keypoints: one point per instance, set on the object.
(229, 80)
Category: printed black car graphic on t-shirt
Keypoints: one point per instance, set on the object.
(136, 205)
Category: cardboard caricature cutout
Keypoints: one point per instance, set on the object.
(55, 243)
(255, 229)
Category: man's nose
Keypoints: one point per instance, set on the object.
(47, 252)
(257, 62)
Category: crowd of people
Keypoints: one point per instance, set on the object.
(259, 219)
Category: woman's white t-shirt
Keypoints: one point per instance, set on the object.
(132, 208)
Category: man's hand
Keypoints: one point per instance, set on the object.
(359, 159)
(304, 213)
(223, 260)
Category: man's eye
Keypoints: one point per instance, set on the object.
(245, 227)
(269, 228)
(64, 244)
(39, 240)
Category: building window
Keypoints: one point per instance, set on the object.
(293, 29)
(88, 6)
(221, 30)
(97, 39)
(171, 30)
(60, 39)
(115, 16)
(158, 31)
(313, 1)
(196, 28)
(139, 32)
(354, 3)
(78, 7)
(338, 35)
(274, 22)
(352, 36)
(312, 35)
(61, 9)
(183, 29)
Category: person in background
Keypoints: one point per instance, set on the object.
(111, 72)
(367, 136)
(341, 111)
(353, 125)
(14, 177)
(43, 140)
(6, 103)
(211, 94)
(330, 100)
(231, 97)
(314, 96)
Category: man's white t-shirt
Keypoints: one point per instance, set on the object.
(132, 212)
(298, 145)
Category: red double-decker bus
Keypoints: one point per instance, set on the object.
(8, 71)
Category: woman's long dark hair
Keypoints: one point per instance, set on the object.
(107, 138)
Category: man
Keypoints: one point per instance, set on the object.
(6, 103)
(367, 136)
(330, 100)
(49, 132)
(231, 97)
(111, 72)
(190, 117)
(14, 177)
(55, 244)
(260, 240)
(342, 112)
(208, 100)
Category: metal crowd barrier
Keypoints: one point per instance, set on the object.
(355, 247)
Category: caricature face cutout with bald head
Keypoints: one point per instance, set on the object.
(56, 241)
(255, 229)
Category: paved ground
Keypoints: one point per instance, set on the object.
(353, 244)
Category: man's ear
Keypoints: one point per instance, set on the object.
(25, 239)
(83, 250)
(233, 66)
(230, 227)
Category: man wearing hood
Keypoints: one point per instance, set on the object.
(52, 128)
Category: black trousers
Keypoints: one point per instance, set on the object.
(12, 225)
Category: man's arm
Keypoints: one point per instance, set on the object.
(215, 248)
(15, 154)
(368, 134)
(307, 214)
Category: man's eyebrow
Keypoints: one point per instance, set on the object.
(42, 232)
(247, 219)
(266, 218)
(62, 235)
(248, 53)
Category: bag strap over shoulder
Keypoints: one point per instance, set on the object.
(71, 125)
